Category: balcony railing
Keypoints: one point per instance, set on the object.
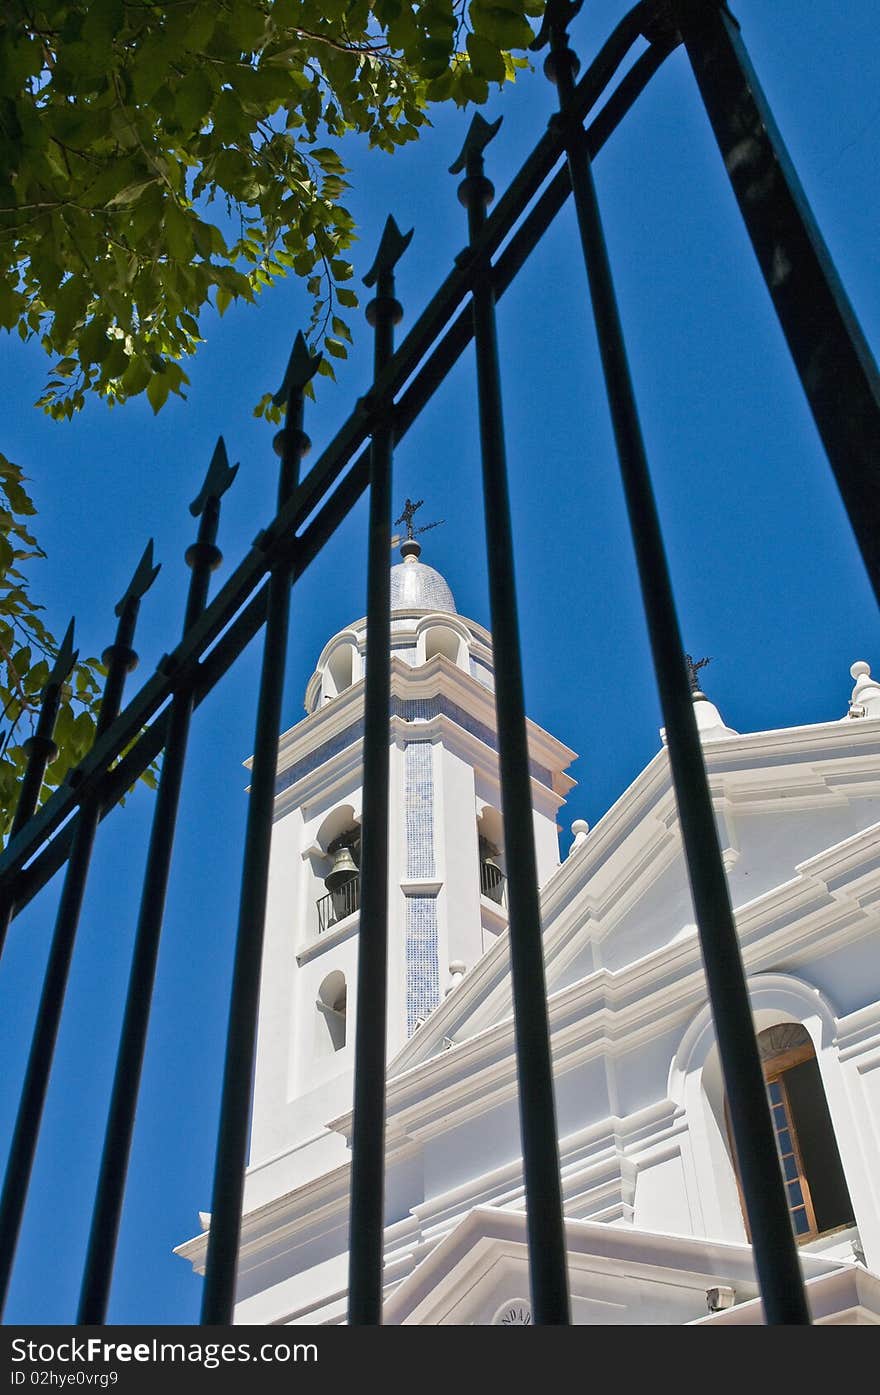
(493, 883)
(338, 904)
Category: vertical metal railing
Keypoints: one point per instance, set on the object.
(774, 1245)
(120, 658)
(544, 1218)
(203, 557)
(218, 1301)
(366, 1227)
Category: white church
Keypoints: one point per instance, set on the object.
(655, 1227)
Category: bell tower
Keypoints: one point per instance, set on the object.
(447, 874)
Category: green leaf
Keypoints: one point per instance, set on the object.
(192, 100)
(178, 233)
(94, 346)
(158, 389)
(487, 60)
(11, 304)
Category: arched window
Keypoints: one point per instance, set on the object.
(818, 1197)
(331, 1004)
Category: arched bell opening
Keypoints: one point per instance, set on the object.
(492, 869)
(340, 836)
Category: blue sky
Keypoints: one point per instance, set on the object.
(767, 576)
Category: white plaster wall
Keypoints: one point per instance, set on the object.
(640, 1076)
(849, 976)
(546, 845)
(656, 919)
(278, 983)
(581, 1096)
(477, 1146)
(772, 844)
(661, 1199)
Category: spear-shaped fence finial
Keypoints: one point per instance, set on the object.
(64, 659)
(218, 479)
(392, 246)
(301, 368)
(480, 133)
(557, 17)
(144, 576)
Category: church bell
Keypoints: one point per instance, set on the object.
(344, 869)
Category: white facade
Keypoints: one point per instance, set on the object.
(654, 1220)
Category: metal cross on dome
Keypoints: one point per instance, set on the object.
(693, 668)
(407, 514)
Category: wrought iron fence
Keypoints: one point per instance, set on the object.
(841, 385)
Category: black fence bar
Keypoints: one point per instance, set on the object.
(121, 659)
(835, 365)
(218, 1300)
(40, 749)
(203, 557)
(366, 1225)
(772, 1237)
(544, 1219)
(176, 668)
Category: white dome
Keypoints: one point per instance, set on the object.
(417, 587)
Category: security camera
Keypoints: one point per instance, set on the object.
(720, 1298)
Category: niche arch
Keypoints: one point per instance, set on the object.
(443, 636)
(331, 1007)
(338, 668)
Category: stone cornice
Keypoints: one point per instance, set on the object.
(439, 676)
